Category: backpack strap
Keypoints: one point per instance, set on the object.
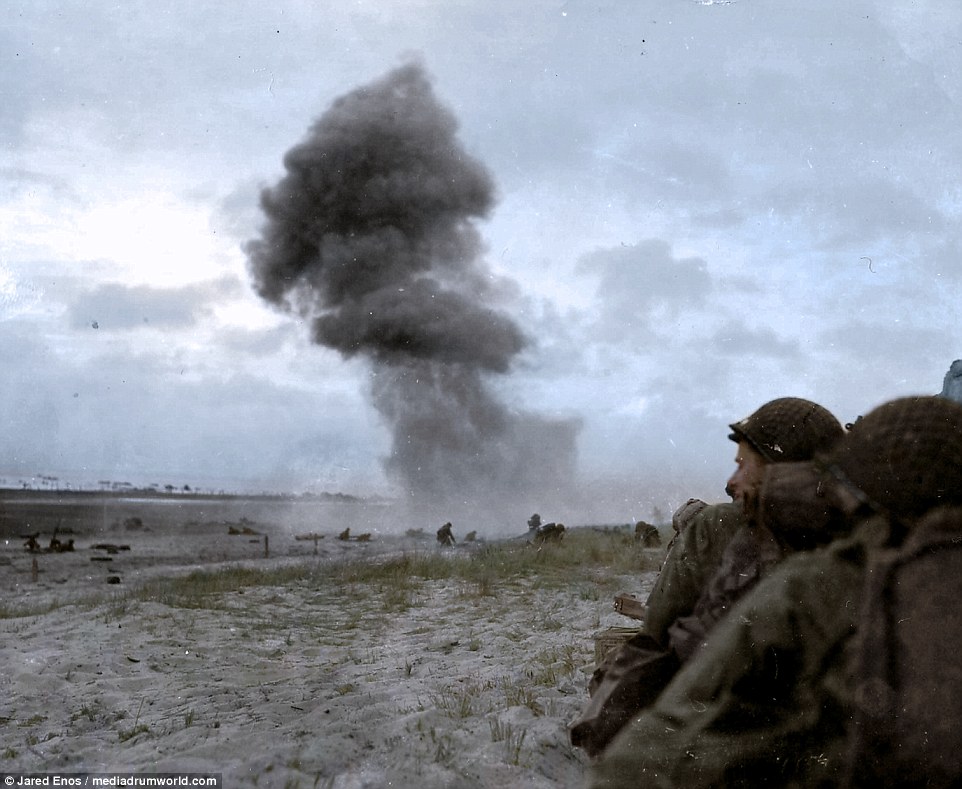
(908, 672)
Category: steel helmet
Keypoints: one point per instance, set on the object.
(788, 429)
(906, 455)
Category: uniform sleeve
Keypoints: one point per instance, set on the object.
(693, 559)
(754, 706)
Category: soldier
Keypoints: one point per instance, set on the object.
(647, 535)
(784, 430)
(717, 559)
(445, 535)
(791, 688)
(549, 532)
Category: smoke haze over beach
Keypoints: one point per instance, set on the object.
(370, 237)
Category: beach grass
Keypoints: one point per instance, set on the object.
(586, 559)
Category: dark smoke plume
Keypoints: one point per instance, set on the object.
(369, 236)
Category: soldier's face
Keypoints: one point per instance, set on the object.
(748, 474)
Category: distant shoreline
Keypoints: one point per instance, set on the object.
(76, 496)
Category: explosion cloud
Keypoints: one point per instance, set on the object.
(369, 236)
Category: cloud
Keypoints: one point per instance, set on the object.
(117, 307)
(737, 339)
(15, 181)
(641, 282)
(894, 343)
(942, 260)
(671, 168)
(261, 343)
(860, 210)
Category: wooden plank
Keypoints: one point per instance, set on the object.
(629, 606)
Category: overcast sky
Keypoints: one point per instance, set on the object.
(697, 206)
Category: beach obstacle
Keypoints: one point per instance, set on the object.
(110, 547)
(313, 536)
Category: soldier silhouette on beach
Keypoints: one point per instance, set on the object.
(647, 535)
(445, 535)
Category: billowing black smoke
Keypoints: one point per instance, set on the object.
(369, 236)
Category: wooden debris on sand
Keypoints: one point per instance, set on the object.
(611, 638)
(630, 606)
(110, 547)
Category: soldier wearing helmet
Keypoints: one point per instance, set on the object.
(778, 435)
(715, 558)
(782, 693)
(784, 430)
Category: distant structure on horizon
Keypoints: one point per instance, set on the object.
(952, 384)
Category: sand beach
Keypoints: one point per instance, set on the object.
(305, 662)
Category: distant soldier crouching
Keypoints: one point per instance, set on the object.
(445, 535)
(549, 532)
(647, 535)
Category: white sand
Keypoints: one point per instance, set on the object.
(293, 686)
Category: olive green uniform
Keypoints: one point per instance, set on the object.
(766, 701)
(694, 557)
(631, 677)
